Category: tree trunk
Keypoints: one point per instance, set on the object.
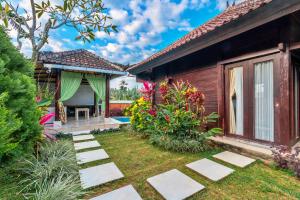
(34, 55)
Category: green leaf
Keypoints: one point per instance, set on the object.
(44, 102)
(65, 5)
(40, 13)
(6, 8)
(5, 22)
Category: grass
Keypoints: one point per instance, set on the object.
(139, 160)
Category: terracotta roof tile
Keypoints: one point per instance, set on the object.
(230, 14)
(78, 58)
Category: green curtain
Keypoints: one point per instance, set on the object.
(98, 84)
(70, 83)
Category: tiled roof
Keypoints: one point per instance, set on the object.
(230, 14)
(77, 58)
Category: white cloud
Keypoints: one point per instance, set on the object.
(54, 45)
(221, 4)
(198, 4)
(119, 16)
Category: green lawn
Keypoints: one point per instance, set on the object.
(139, 160)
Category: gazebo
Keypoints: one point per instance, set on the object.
(79, 80)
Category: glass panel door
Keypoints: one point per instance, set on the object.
(263, 101)
(236, 101)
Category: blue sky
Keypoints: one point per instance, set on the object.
(145, 27)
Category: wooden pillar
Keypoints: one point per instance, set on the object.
(284, 99)
(107, 95)
(221, 95)
(57, 93)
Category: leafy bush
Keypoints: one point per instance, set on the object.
(61, 188)
(285, 158)
(8, 123)
(179, 123)
(53, 174)
(179, 145)
(16, 79)
(140, 114)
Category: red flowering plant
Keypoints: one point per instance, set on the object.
(148, 90)
(181, 118)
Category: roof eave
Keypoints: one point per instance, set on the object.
(88, 69)
(272, 11)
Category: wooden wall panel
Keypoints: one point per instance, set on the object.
(205, 79)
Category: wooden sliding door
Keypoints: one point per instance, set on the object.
(249, 99)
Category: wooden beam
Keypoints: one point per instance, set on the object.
(107, 95)
(295, 45)
(57, 94)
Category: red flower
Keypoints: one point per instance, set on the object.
(152, 112)
(38, 99)
(167, 118)
(197, 97)
(148, 90)
(44, 119)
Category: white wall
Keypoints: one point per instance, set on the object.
(83, 96)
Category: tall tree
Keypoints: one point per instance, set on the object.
(43, 16)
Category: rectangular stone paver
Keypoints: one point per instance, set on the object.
(99, 175)
(234, 159)
(80, 132)
(90, 156)
(210, 169)
(174, 185)
(86, 145)
(124, 193)
(82, 137)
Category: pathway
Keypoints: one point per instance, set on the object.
(172, 185)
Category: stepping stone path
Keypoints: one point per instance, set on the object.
(86, 145)
(234, 159)
(83, 137)
(125, 193)
(210, 169)
(174, 185)
(80, 132)
(90, 156)
(98, 175)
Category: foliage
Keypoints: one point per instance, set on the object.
(285, 158)
(124, 94)
(179, 123)
(179, 145)
(16, 80)
(9, 123)
(102, 131)
(55, 166)
(140, 115)
(84, 16)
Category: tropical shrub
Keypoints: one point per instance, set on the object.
(53, 174)
(140, 114)
(16, 80)
(285, 158)
(179, 122)
(9, 124)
